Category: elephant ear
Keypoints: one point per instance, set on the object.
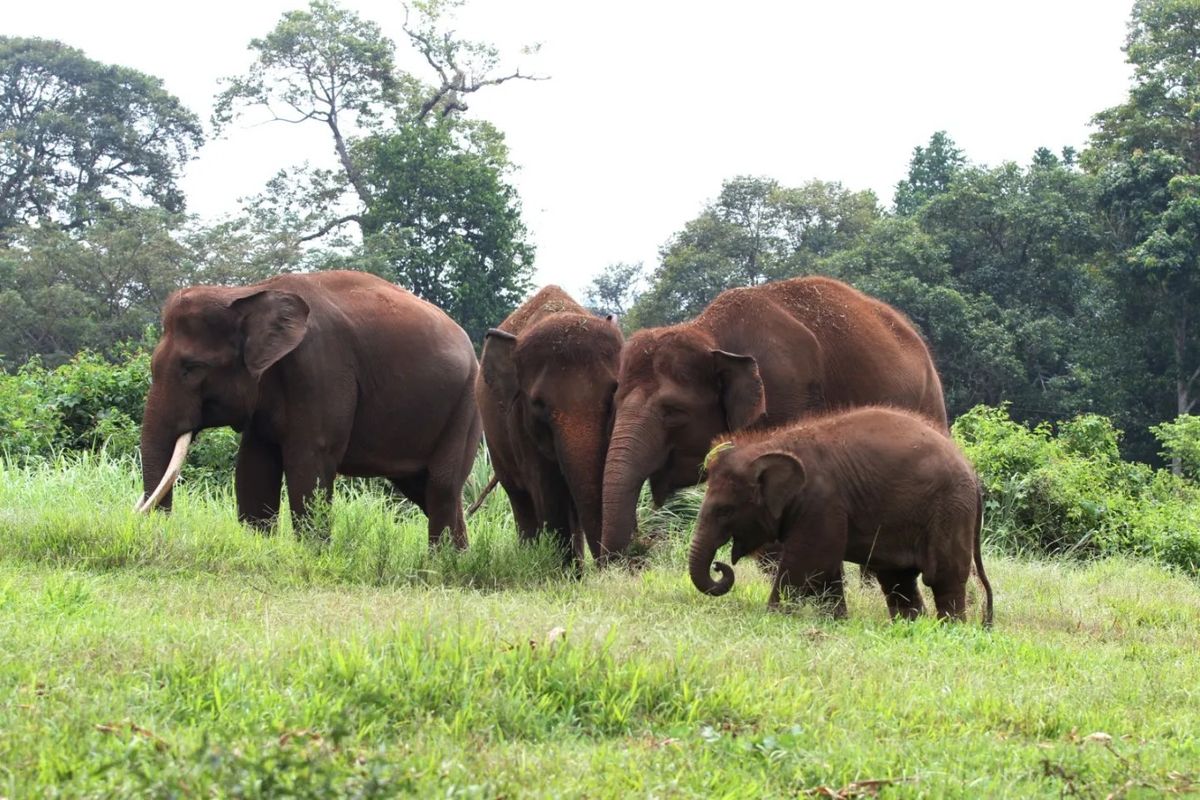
(274, 323)
(499, 365)
(741, 390)
(779, 475)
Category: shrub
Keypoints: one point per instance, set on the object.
(1071, 493)
(1180, 440)
(91, 404)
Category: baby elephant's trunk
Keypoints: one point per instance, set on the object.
(705, 543)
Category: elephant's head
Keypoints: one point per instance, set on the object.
(216, 344)
(556, 381)
(746, 497)
(677, 392)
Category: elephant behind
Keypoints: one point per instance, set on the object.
(547, 378)
(323, 373)
(757, 356)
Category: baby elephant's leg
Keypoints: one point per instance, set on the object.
(798, 580)
(901, 592)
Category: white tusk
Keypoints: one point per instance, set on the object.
(169, 477)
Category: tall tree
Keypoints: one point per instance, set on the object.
(1146, 153)
(929, 173)
(76, 134)
(427, 189)
(616, 288)
(444, 223)
(755, 230)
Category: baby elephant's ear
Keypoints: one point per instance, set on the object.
(498, 365)
(780, 475)
(741, 389)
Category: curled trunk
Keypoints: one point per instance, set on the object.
(705, 543)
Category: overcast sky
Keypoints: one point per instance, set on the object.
(652, 104)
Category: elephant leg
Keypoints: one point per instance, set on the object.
(810, 562)
(413, 488)
(308, 476)
(950, 597)
(443, 499)
(258, 480)
(524, 513)
(448, 470)
(901, 592)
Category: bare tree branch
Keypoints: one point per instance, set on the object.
(328, 226)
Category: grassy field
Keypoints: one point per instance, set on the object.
(185, 656)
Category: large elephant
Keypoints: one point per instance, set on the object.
(326, 373)
(876, 486)
(763, 355)
(547, 379)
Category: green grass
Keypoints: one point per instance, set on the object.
(187, 656)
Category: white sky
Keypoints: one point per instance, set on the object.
(652, 104)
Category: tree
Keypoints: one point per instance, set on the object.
(929, 173)
(1146, 154)
(444, 223)
(328, 65)
(426, 188)
(63, 293)
(77, 135)
(755, 230)
(616, 289)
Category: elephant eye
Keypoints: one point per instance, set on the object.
(190, 367)
(673, 415)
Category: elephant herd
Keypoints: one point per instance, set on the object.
(814, 412)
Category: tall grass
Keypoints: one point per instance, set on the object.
(184, 655)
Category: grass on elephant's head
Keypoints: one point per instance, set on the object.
(77, 511)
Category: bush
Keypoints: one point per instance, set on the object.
(1180, 440)
(91, 404)
(1072, 494)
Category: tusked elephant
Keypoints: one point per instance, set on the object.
(547, 378)
(762, 355)
(875, 486)
(323, 373)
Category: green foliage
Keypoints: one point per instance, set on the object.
(755, 230)
(90, 404)
(1071, 493)
(1180, 440)
(444, 223)
(929, 173)
(76, 135)
(427, 190)
(616, 289)
(1146, 154)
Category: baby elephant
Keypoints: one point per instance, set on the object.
(876, 486)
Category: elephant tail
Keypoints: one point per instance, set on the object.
(987, 587)
(483, 495)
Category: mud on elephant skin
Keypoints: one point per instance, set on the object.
(874, 486)
(325, 373)
(547, 378)
(758, 356)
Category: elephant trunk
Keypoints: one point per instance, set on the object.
(638, 447)
(163, 449)
(581, 453)
(705, 543)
